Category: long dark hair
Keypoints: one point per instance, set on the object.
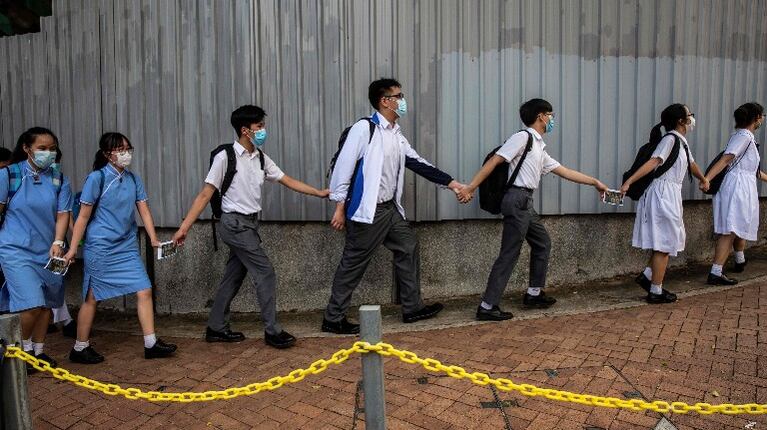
(108, 143)
(669, 119)
(27, 139)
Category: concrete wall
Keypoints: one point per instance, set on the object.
(455, 260)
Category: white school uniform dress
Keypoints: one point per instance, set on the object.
(736, 205)
(659, 225)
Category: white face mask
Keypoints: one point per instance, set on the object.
(691, 125)
(123, 159)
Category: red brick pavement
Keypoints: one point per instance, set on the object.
(711, 347)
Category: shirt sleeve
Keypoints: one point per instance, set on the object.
(663, 150)
(4, 186)
(217, 170)
(140, 190)
(91, 188)
(272, 173)
(353, 148)
(737, 145)
(65, 197)
(423, 168)
(513, 146)
(549, 163)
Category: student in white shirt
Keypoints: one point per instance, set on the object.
(367, 185)
(520, 220)
(659, 225)
(736, 205)
(241, 205)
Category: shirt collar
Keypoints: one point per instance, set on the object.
(383, 122)
(109, 168)
(29, 168)
(239, 150)
(744, 132)
(537, 136)
(681, 136)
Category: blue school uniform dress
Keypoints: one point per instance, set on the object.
(113, 265)
(27, 235)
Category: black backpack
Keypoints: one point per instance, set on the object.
(231, 170)
(493, 188)
(342, 141)
(643, 155)
(716, 182)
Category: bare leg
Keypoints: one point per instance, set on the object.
(28, 321)
(658, 264)
(85, 317)
(722, 249)
(145, 311)
(41, 325)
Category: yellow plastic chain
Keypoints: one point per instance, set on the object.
(387, 350)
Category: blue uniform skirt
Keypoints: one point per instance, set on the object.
(115, 274)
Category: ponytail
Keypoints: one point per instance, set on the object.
(655, 134)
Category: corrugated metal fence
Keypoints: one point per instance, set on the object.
(169, 72)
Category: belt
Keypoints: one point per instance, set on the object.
(248, 216)
(529, 190)
(388, 202)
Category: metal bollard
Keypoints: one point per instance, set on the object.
(14, 397)
(372, 369)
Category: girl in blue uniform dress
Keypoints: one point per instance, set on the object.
(36, 199)
(113, 265)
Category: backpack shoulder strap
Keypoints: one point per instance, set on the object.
(261, 157)
(231, 167)
(528, 148)
(372, 127)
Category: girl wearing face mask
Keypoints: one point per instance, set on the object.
(659, 226)
(736, 205)
(36, 200)
(113, 265)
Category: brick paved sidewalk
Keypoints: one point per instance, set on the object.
(710, 347)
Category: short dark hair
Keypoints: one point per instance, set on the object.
(746, 114)
(377, 89)
(5, 154)
(246, 115)
(530, 109)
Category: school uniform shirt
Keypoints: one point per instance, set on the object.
(537, 163)
(736, 205)
(113, 265)
(658, 224)
(26, 238)
(379, 167)
(244, 194)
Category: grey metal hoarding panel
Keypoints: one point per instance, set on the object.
(168, 73)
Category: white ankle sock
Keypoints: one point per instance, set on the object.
(149, 340)
(647, 273)
(656, 289)
(26, 345)
(534, 291)
(740, 257)
(38, 347)
(79, 346)
(486, 305)
(716, 269)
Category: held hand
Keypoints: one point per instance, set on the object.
(179, 238)
(155, 243)
(323, 194)
(465, 194)
(339, 219)
(70, 256)
(602, 188)
(625, 188)
(704, 185)
(56, 251)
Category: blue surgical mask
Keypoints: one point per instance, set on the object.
(550, 125)
(43, 159)
(401, 108)
(259, 137)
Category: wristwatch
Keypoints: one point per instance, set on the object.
(60, 243)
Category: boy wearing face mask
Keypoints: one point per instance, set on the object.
(241, 205)
(520, 220)
(367, 185)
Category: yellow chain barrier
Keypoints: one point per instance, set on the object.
(387, 350)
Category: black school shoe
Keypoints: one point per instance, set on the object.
(541, 301)
(280, 341)
(655, 299)
(643, 282)
(720, 280)
(426, 312)
(340, 327)
(159, 350)
(45, 357)
(223, 336)
(86, 356)
(494, 314)
(70, 329)
(739, 267)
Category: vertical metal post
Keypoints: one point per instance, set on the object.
(372, 369)
(13, 375)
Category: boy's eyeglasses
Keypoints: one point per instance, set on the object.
(399, 96)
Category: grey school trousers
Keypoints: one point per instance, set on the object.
(391, 230)
(520, 223)
(240, 233)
